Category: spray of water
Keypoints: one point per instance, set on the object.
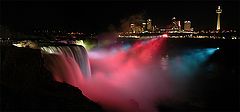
(125, 79)
(133, 73)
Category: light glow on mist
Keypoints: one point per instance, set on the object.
(130, 77)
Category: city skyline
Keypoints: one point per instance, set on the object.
(100, 16)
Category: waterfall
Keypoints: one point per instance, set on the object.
(68, 64)
(78, 53)
(132, 78)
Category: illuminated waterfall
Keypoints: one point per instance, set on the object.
(78, 53)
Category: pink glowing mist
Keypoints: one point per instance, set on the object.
(126, 80)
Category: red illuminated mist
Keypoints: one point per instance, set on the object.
(126, 80)
(129, 80)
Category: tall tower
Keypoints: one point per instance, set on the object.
(218, 11)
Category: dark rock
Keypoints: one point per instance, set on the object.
(25, 85)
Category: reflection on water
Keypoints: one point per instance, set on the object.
(164, 62)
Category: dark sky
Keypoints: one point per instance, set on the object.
(97, 16)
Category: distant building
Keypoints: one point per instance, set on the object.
(218, 11)
(144, 28)
(179, 25)
(149, 25)
(132, 28)
(135, 28)
(138, 29)
(187, 25)
(174, 25)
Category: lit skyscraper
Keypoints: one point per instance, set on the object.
(149, 25)
(144, 26)
(187, 25)
(218, 11)
(179, 25)
(132, 28)
(174, 24)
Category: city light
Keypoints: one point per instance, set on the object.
(164, 35)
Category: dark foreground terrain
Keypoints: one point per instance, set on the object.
(27, 86)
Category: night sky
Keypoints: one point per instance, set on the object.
(98, 16)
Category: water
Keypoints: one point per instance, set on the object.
(77, 53)
(128, 78)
